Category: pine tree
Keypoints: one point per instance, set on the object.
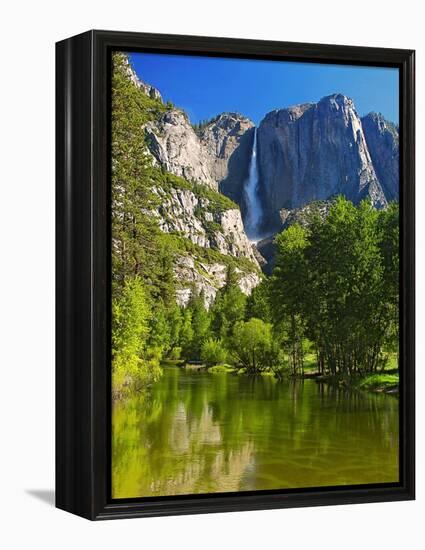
(200, 323)
(186, 333)
(229, 307)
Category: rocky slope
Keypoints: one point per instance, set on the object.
(312, 152)
(206, 278)
(149, 90)
(383, 143)
(228, 141)
(176, 148)
(208, 232)
(197, 218)
(215, 155)
(204, 227)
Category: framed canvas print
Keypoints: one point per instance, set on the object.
(235, 274)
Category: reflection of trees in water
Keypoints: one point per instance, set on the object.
(201, 462)
(365, 411)
(211, 433)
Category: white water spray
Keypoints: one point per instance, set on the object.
(254, 210)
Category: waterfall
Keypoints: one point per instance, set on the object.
(254, 210)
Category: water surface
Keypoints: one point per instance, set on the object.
(203, 433)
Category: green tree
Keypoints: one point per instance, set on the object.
(213, 352)
(134, 231)
(346, 287)
(131, 364)
(229, 307)
(200, 323)
(175, 320)
(288, 296)
(252, 346)
(139, 250)
(258, 303)
(389, 244)
(332, 282)
(186, 333)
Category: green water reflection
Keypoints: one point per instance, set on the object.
(202, 433)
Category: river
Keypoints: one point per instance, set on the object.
(200, 433)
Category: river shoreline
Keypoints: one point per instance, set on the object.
(386, 382)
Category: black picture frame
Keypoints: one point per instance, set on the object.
(83, 274)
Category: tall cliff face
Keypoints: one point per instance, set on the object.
(311, 152)
(228, 142)
(177, 149)
(197, 218)
(215, 231)
(383, 143)
(216, 155)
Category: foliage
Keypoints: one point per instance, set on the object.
(258, 303)
(335, 281)
(253, 346)
(228, 308)
(166, 182)
(142, 277)
(134, 232)
(133, 363)
(202, 124)
(200, 323)
(186, 333)
(213, 352)
(220, 369)
(380, 382)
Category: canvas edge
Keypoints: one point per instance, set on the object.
(81, 219)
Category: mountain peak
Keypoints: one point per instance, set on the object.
(338, 97)
(336, 101)
(232, 114)
(148, 89)
(287, 114)
(373, 115)
(383, 143)
(311, 152)
(381, 121)
(228, 120)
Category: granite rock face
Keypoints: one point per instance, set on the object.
(382, 139)
(228, 141)
(217, 155)
(176, 147)
(183, 212)
(193, 217)
(149, 90)
(206, 279)
(312, 152)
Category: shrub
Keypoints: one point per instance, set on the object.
(213, 352)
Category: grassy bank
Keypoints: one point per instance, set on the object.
(386, 383)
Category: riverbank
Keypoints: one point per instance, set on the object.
(384, 382)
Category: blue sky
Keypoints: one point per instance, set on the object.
(207, 86)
